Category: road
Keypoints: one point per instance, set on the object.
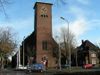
(75, 72)
(19, 73)
(11, 72)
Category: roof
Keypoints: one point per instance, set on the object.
(42, 3)
(89, 44)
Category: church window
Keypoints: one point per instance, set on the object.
(44, 45)
(44, 15)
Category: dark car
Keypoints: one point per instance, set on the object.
(65, 66)
(35, 67)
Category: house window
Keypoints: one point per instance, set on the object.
(93, 60)
(44, 45)
(93, 55)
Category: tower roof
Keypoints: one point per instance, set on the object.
(42, 3)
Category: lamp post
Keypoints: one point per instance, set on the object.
(18, 61)
(68, 41)
(59, 52)
(23, 51)
(76, 59)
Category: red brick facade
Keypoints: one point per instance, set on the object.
(40, 43)
(43, 25)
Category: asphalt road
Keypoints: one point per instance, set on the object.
(52, 72)
(19, 73)
(11, 72)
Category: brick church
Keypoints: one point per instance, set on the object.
(40, 42)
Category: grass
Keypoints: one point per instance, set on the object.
(72, 70)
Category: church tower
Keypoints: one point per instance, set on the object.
(43, 29)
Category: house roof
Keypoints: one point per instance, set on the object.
(89, 44)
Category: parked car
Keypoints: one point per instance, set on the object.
(65, 66)
(88, 66)
(35, 67)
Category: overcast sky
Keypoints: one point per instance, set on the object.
(83, 17)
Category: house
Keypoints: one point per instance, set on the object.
(87, 53)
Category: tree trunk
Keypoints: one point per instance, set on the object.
(2, 62)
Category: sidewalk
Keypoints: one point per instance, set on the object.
(6, 70)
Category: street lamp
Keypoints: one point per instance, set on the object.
(18, 59)
(76, 59)
(59, 53)
(23, 51)
(68, 41)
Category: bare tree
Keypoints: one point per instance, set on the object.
(68, 42)
(3, 4)
(58, 2)
(8, 43)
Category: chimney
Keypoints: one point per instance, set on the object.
(82, 41)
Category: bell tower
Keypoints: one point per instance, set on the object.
(43, 29)
(43, 17)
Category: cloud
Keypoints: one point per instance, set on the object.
(76, 11)
(79, 27)
(82, 21)
(80, 24)
(94, 23)
(19, 24)
(22, 26)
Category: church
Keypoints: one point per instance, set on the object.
(40, 42)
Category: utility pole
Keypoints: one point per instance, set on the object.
(76, 59)
(18, 59)
(23, 51)
(68, 42)
(59, 52)
(59, 57)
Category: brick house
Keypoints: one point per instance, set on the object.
(87, 53)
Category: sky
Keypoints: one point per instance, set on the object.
(83, 17)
